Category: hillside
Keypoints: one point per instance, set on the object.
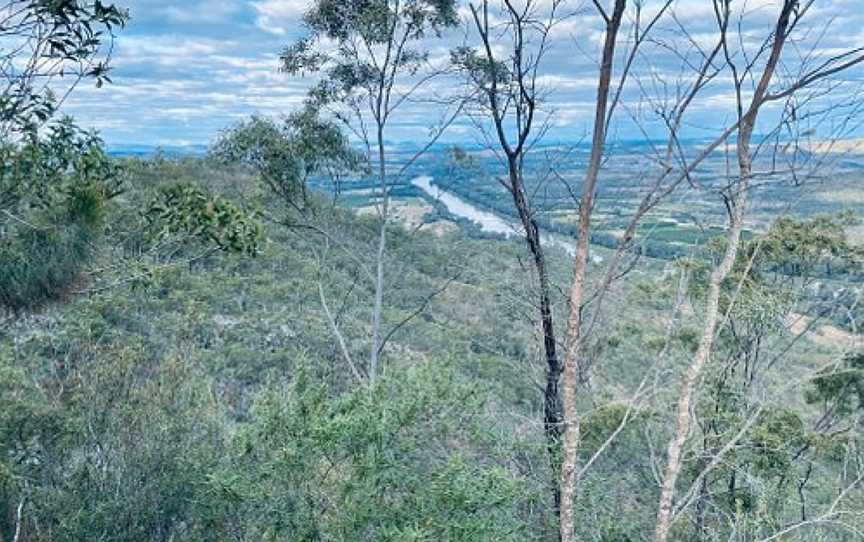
(215, 392)
(431, 270)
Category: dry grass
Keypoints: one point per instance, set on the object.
(824, 335)
(412, 214)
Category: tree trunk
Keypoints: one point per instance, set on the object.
(683, 419)
(379, 273)
(572, 355)
(552, 420)
(19, 520)
(738, 201)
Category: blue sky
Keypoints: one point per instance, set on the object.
(185, 69)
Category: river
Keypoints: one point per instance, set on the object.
(488, 222)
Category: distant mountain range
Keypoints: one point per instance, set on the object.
(127, 150)
(848, 147)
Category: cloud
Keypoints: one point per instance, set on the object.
(185, 70)
(203, 11)
(277, 16)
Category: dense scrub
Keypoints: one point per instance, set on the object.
(206, 399)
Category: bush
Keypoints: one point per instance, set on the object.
(55, 189)
(405, 460)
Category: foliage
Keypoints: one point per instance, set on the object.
(395, 462)
(129, 442)
(770, 270)
(55, 192)
(348, 74)
(47, 40)
(607, 420)
(482, 72)
(839, 390)
(54, 182)
(775, 441)
(144, 398)
(213, 405)
(286, 156)
(781, 446)
(188, 210)
(799, 246)
(119, 466)
(61, 194)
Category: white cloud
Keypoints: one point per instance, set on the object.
(210, 11)
(704, 9)
(168, 47)
(276, 16)
(186, 69)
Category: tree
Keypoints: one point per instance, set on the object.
(55, 190)
(374, 70)
(287, 156)
(47, 43)
(508, 95)
(675, 168)
(55, 182)
(571, 368)
(790, 14)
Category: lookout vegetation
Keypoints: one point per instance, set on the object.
(258, 345)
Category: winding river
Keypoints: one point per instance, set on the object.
(488, 222)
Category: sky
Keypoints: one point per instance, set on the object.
(183, 70)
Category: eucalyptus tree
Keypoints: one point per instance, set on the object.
(703, 65)
(287, 155)
(512, 99)
(784, 466)
(54, 176)
(42, 46)
(56, 187)
(48, 47)
(754, 79)
(607, 99)
(57, 180)
(372, 62)
(508, 113)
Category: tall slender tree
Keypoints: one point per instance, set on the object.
(508, 101)
(571, 367)
(736, 195)
(373, 67)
